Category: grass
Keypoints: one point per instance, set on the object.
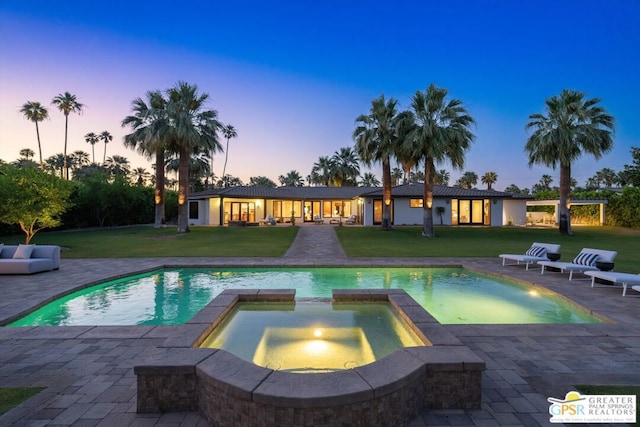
(612, 389)
(10, 397)
(488, 242)
(145, 241)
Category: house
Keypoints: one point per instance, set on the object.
(452, 206)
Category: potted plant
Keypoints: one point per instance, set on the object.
(440, 211)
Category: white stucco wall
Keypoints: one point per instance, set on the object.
(515, 210)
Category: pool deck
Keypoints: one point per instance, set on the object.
(88, 371)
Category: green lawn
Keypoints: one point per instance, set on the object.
(144, 241)
(11, 397)
(488, 242)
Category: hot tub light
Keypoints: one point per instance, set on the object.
(317, 333)
(534, 293)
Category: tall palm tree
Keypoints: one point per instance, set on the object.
(150, 125)
(377, 140)
(322, 171)
(570, 126)
(105, 137)
(192, 128)
(228, 131)
(92, 139)
(489, 179)
(35, 112)
(56, 163)
(345, 167)
(27, 153)
(79, 159)
(67, 103)
(439, 130)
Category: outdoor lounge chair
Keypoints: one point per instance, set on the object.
(317, 219)
(584, 261)
(624, 279)
(351, 220)
(537, 252)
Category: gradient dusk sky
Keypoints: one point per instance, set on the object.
(293, 76)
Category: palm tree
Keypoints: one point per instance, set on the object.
(322, 171)
(439, 129)
(192, 129)
(572, 125)
(345, 167)
(35, 112)
(105, 137)
(79, 159)
(291, 179)
(396, 175)
(56, 163)
(67, 103)
(229, 132)
(369, 180)
(150, 126)
(441, 177)
(468, 180)
(377, 140)
(141, 175)
(92, 139)
(489, 178)
(261, 181)
(117, 166)
(27, 153)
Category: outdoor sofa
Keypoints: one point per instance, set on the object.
(28, 259)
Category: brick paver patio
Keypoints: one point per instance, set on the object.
(88, 371)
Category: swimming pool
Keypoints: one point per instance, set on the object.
(172, 296)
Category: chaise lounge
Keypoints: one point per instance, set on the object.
(584, 261)
(28, 259)
(537, 252)
(624, 279)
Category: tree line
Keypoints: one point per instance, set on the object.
(175, 128)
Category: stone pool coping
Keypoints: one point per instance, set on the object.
(178, 376)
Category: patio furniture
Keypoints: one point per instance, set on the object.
(584, 261)
(351, 220)
(623, 279)
(28, 259)
(537, 252)
(317, 219)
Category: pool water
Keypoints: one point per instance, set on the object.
(173, 296)
(311, 337)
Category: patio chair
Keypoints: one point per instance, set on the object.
(584, 261)
(351, 220)
(537, 252)
(623, 279)
(317, 219)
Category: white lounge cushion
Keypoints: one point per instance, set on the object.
(23, 252)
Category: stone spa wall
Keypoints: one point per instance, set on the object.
(227, 391)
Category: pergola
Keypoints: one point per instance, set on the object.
(556, 204)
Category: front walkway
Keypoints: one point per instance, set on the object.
(89, 377)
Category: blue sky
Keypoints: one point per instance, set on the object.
(293, 76)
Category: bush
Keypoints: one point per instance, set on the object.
(623, 209)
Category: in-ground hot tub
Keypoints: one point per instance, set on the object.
(312, 335)
(227, 390)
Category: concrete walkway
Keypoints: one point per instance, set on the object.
(88, 375)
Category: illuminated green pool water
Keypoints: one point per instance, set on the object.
(173, 296)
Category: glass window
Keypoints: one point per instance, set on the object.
(454, 211)
(193, 210)
(326, 209)
(415, 203)
(477, 210)
(464, 210)
(487, 212)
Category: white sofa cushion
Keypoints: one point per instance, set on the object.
(23, 252)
